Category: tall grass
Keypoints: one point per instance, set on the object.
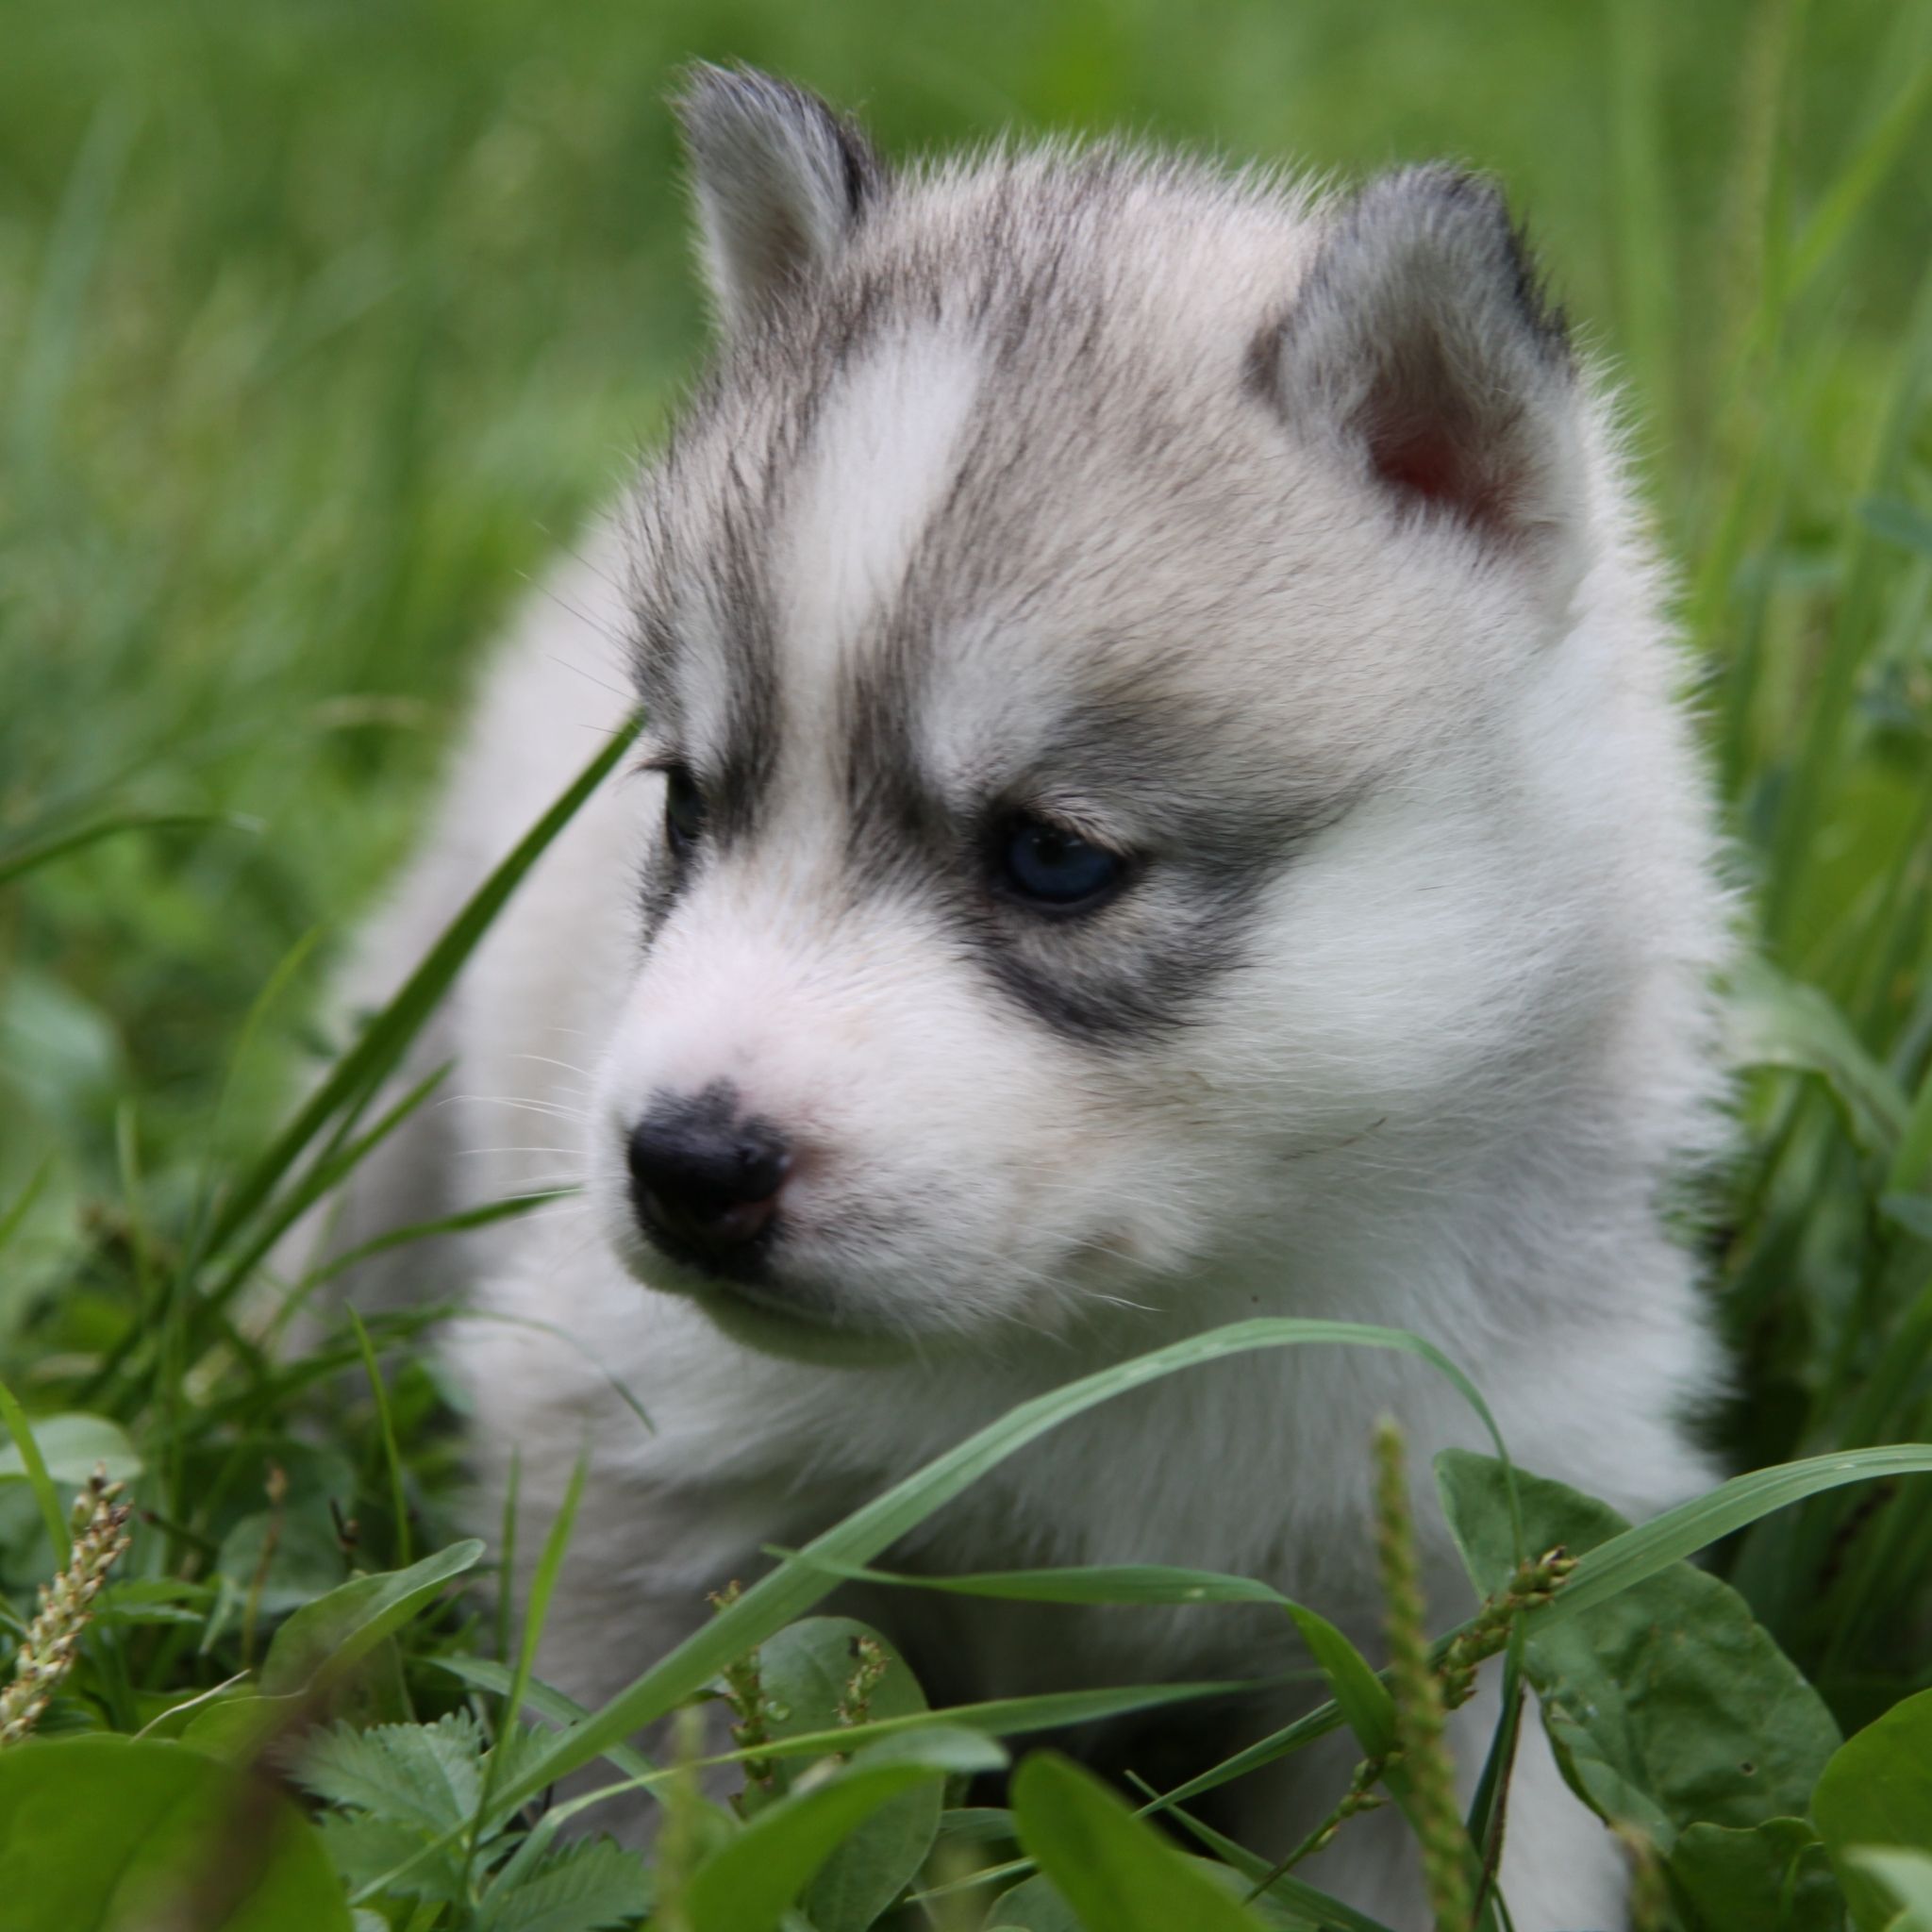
(319, 328)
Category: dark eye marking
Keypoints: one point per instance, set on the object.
(1051, 868)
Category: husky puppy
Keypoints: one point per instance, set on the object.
(1163, 802)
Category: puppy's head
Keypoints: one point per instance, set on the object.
(1081, 627)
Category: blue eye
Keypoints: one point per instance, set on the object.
(1052, 866)
(684, 810)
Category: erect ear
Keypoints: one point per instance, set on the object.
(780, 182)
(1421, 352)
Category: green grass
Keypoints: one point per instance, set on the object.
(320, 327)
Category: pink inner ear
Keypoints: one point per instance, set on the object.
(1428, 460)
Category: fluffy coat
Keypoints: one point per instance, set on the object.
(1274, 544)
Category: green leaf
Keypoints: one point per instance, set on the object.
(1907, 1877)
(804, 1673)
(362, 1848)
(1668, 1705)
(1877, 1790)
(585, 1887)
(1618, 1565)
(1778, 1021)
(423, 1775)
(1115, 1870)
(1033, 1906)
(322, 1639)
(101, 1833)
(747, 1884)
(1898, 523)
(1773, 1877)
(1912, 1212)
(305, 1558)
(71, 1446)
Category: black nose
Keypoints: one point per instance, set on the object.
(704, 1181)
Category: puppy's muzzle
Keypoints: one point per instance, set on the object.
(706, 1182)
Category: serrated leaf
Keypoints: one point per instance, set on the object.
(585, 1887)
(1668, 1705)
(364, 1848)
(428, 1775)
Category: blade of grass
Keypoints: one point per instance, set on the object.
(506, 1209)
(1364, 1698)
(20, 859)
(39, 1480)
(792, 1589)
(1130, 1583)
(212, 1306)
(543, 1587)
(1861, 178)
(485, 1674)
(1854, 627)
(391, 1458)
(56, 324)
(15, 1218)
(389, 1036)
(1646, 258)
(506, 1562)
(998, 1717)
(1284, 1888)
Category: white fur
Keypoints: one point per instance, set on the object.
(1468, 1045)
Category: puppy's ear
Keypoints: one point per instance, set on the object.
(1421, 353)
(780, 182)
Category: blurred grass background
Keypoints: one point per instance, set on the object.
(322, 321)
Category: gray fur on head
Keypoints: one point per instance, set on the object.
(780, 182)
(1422, 352)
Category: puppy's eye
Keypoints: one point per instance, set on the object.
(684, 810)
(1050, 865)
